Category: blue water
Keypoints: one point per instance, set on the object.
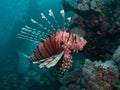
(14, 14)
(17, 73)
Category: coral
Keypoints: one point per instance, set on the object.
(99, 75)
(116, 56)
(116, 59)
(104, 27)
(77, 21)
(95, 75)
(96, 5)
(71, 77)
(85, 5)
(71, 81)
(79, 32)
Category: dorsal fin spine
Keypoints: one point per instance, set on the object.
(53, 16)
(63, 18)
(27, 38)
(35, 34)
(32, 20)
(49, 23)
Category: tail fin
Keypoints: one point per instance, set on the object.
(23, 63)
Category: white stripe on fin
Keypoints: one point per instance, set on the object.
(55, 60)
(49, 62)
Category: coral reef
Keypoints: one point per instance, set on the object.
(100, 75)
(101, 29)
(116, 58)
(101, 23)
(95, 75)
(96, 5)
(80, 32)
(116, 55)
(71, 81)
(84, 5)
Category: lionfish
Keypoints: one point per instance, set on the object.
(55, 47)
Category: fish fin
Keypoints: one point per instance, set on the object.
(49, 62)
(23, 63)
(55, 60)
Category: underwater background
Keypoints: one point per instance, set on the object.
(15, 14)
(88, 66)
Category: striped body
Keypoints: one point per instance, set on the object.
(55, 44)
